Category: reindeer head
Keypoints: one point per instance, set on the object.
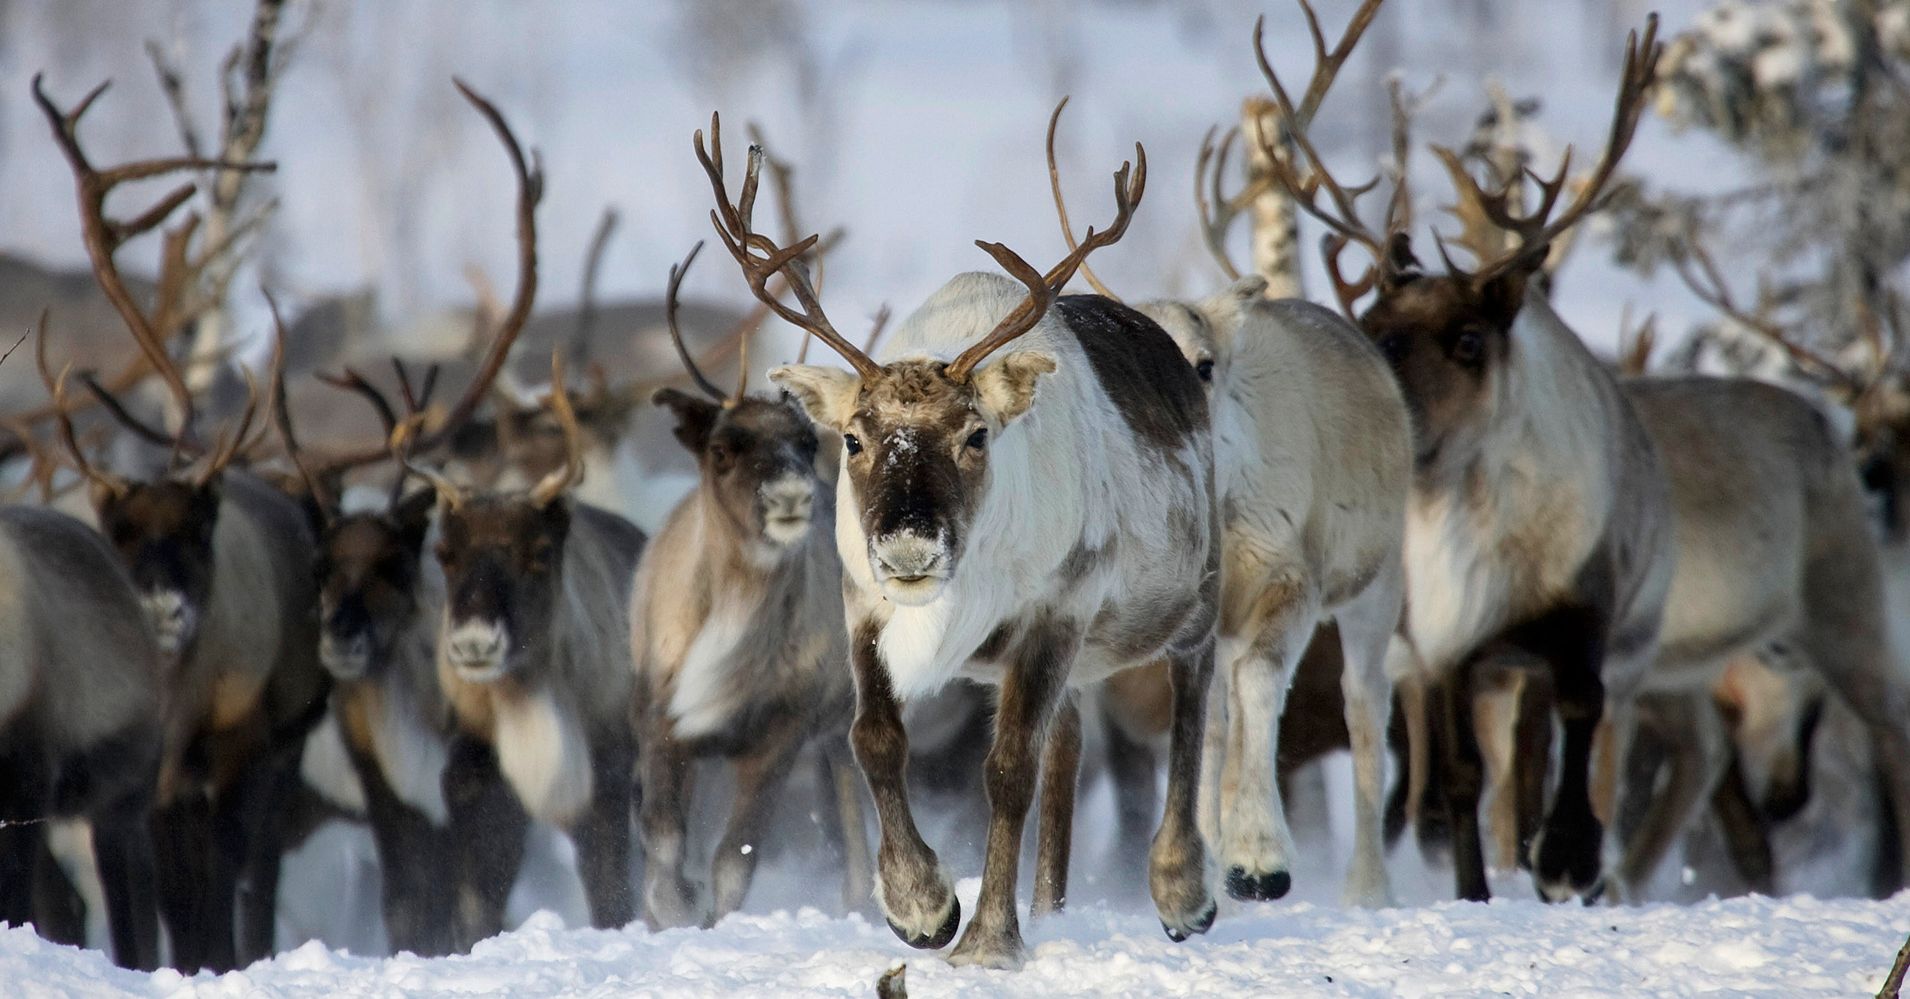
(369, 569)
(916, 432)
(502, 556)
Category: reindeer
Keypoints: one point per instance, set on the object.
(380, 606)
(221, 563)
(735, 628)
(1538, 520)
(1039, 523)
(532, 658)
(80, 679)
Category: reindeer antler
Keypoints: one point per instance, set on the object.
(677, 273)
(733, 222)
(1341, 214)
(63, 421)
(530, 191)
(1534, 231)
(1061, 203)
(104, 235)
(560, 479)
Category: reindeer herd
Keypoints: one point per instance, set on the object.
(1173, 513)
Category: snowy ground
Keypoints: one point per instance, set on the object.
(1740, 947)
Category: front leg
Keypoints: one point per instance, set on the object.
(1029, 694)
(911, 887)
(602, 833)
(488, 825)
(760, 776)
(668, 899)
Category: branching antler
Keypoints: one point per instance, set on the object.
(677, 273)
(1061, 203)
(63, 420)
(1701, 274)
(571, 472)
(1535, 230)
(104, 235)
(530, 190)
(734, 226)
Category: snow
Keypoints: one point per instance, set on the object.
(1739, 947)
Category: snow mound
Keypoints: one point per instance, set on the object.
(1739, 947)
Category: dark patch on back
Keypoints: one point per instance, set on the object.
(1141, 369)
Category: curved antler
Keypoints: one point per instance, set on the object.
(56, 388)
(1061, 203)
(1535, 230)
(732, 220)
(1042, 288)
(677, 273)
(571, 472)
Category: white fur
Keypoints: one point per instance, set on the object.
(704, 696)
(171, 618)
(543, 753)
(326, 768)
(411, 755)
(476, 649)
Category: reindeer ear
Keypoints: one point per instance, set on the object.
(1249, 288)
(1007, 387)
(694, 416)
(828, 395)
(1401, 266)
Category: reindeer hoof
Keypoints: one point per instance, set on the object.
(941, 936)
(1258, 887)
(1201, 925)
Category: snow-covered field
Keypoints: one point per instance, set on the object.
(1738, 947)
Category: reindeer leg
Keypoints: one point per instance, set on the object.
(602, 834)
(911, 887)
(488, 826)
(1700, 752)
(182, 837)
(760, 776)
(414, 872)
(1135, 774)
(129, 876)
(850, 833)
(1255, 845)
(1532, 738)
(1060, 773)
(1030, 694)
(1566, 855)
(1746, 835)
(1462, 777)
(669, 901)
(1177, 862)
(1366, 630)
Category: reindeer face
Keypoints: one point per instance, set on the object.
(1204, 330)
(915, 444)
(163, 531)
(368, 577)
(1447, 340)
(757, 459)
(531, 440)
(502, 558)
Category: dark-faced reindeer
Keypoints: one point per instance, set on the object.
(1039, 523)
(736, 629)
(80, 721)
(1538, 521)
(221, 562)
(533, 656)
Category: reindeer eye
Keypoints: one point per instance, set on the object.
(1468, 347)
(1205, 369)
(851, 444)
(978, 439)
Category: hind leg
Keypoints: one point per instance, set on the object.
(1177, 861)
(129, 874)
(1700, 752)
(1256, 848)
(1366, 629)
(760, 776)
(1060, 772)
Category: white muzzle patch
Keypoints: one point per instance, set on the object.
(789, 501)
(476, 650)
(345, 658)
(171, 617)
(911, 569)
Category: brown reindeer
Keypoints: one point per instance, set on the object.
(533, 658)
(221, 561)
(1538, 522)
(736, 628)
